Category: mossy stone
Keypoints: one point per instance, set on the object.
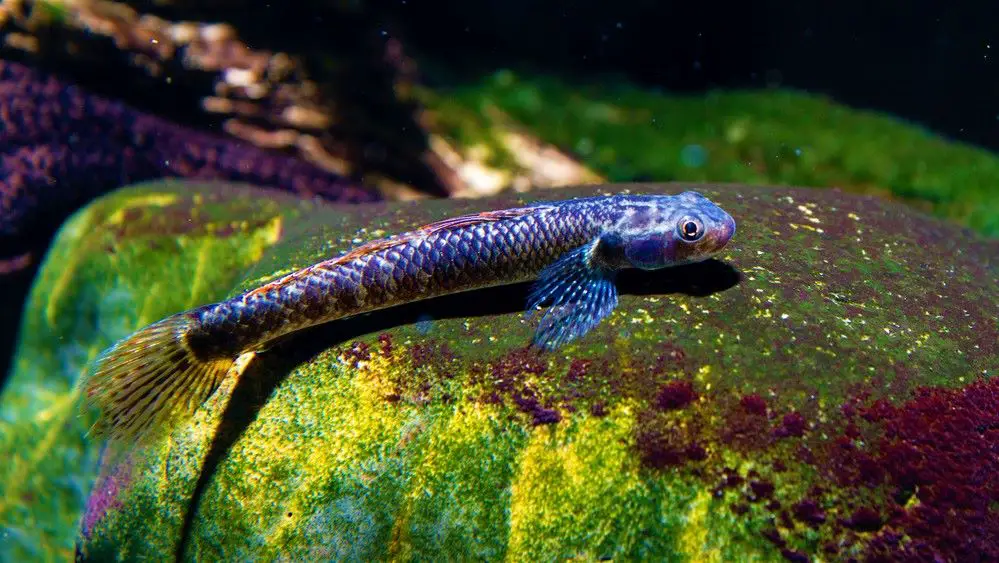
(824, 388)
(126, 260)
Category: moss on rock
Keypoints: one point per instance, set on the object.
(824, 388)
(123, 262)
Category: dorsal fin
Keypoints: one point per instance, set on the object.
(382, 244)
(477, 218)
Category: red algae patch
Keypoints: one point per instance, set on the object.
(676, 395)
(941, 449)
(793, 425)
(754, 404)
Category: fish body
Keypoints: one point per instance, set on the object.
(573, 248)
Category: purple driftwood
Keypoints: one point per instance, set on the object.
(61, 146)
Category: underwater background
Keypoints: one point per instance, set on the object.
(828, 395)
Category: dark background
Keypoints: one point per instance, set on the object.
(932, 62)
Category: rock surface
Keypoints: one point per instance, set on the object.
(825, 388)
(119, 264)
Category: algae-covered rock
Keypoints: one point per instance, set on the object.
(125, 261)
(822, 389)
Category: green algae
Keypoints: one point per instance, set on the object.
(429, 431)
(123, 262)
(772, 137)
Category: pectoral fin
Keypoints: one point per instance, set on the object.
(580, 292)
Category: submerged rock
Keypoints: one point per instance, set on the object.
(824, 389)
(123, 262)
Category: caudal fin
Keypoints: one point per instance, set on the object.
(149, 380)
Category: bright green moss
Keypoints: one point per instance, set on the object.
(754, 137)
(127, 260)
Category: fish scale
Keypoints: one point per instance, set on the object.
(572, 247)
(475, 256)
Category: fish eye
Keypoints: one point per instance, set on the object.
(690, 229)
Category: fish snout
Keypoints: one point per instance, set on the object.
(724, 232)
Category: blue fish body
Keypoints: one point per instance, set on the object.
(572, 248)
(644, 232)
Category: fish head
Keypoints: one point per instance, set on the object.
(684, 228)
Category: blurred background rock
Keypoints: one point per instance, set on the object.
(934, 63)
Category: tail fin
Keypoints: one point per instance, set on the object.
(146, 382)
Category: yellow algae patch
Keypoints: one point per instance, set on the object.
(270, 232)
(577, 492)
(467, 430)
(694, 541)
(373, 378)
(703, 373)
(451, 502)
(796, 226)
(325, 428)
(140, 201)
(346, 424)
(262, 238)
(643, 317)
